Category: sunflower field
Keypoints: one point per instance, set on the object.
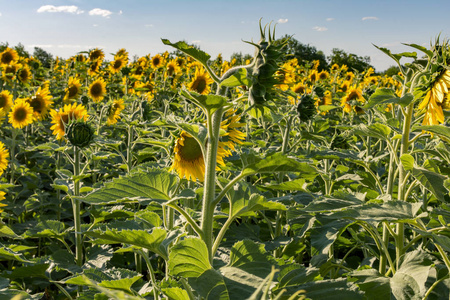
(179, 176)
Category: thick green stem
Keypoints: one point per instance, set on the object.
(156, 290)
(76, 205)
(210, 181)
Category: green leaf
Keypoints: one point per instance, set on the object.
(379, 131)
(154, 185)
(324, 236)
(416, 264)
(429, 53)
(7, 232)
(251, 257)
(434, 182)
(238, 78)
(176, 293)
(407, 161)
(47, 228)
(66, 261)
(189, 258)
(198, 54)
(295, 274)
(139, 238)
(375, 286)
(7, 253)
(440, 130)
(37, 270)
(123, 284)
(387, 95)
(210, 103)
(331, 289)
(404, 287)
(292, 185)
(278, 163)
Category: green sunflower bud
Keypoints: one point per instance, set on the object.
(80, 134)
(306, 108)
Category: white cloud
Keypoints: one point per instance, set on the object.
(70, 46)
(148, 25)
(369, 18)
(282, 21)
(41, 46)
(72, 9)
(196, 42)
(95, 25)
(120, 12)
(100, 12)
(317, 28)
(330, 19)
(0, 14)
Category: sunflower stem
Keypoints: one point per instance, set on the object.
(77, 208)
(210, 180)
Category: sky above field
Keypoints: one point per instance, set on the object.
(64, 27)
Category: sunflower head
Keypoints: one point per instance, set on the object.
(201, 82)
(157, 61)
(188, 160)
(41, 102)
(5, 102)
(97, 90)
(114, 111)
(306, 108)
(4, 157)
(24, 74)
(73, 90)
(96, 55)
(80, 133)
(8, 56)
(60, 119)
(21, 113)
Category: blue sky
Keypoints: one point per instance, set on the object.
(65, 27)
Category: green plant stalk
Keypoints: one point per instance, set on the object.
(13, 154)
(76, 205)
(129, 148)
(151, 272)
(210, 180)
(428, 293)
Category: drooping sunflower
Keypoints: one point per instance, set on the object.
(313, 76)
(114, 111)
(94, 67)
(41, 102)
(201, 82)
(8, 56)
(354, 95)
(24, 74)
(188, 160)
(73, 90)
(21, 113)
(5, 102)
(434, 99)
(172, 69)
(97, 90)
(230, 125)
(9, 72)
(60, 119)
(4, 156)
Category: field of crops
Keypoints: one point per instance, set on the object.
(182, 176)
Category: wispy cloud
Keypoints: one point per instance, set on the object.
(330, 19)
(148, 25)
(41, 46)
(369, 18)
(282, 21)
(100, 12)
(196, 42)
(120, 12)
(317, 28)
(0, 14)
(72, 9)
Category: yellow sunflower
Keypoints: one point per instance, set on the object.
(2, 197)
(69, 113)
(349, 76)
(117, 64)
(96, 55)
(345, 86)
(146, 89)
(8, 56)
(94, 67)
(354, 94)
(434, 99)
(9, 72)
(230, 125)
(41, 102)
(157, 61)
(201, 82)
(5, 102)
(73, 90)
(24, 74)
(4, 155)
(97, 90)
(21, 114)
(114, 111)
(122, 53)
(335, 67)
(172, 69)
(313, 76)
(188, 160)
(323, 75)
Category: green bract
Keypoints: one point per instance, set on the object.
(80, 134)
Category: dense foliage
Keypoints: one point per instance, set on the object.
(178, 176)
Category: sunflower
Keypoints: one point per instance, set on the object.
(146, 88)
(313, 76)
(345, 86)
(24, 74)
(41, 102)
(122, 53)
(96, 55)
(349, 76)
(73, 90)
(201, 82)
(94, 67)
(354, 94)
(434, 100)
(97, 90)
(230, 125)
(8, 56)
(9, 72)
(323, 75)
(172, 69)
(21, 114)
(5, 102)
(117, 64)
(335, 67)
(114, 111)
(157, 61)
(2, 197)
(62, 118)
(4, 155)
(188, 160)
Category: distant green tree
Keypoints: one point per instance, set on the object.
(43, 56)
(391, 71)
(304, 53)
(352, 61)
